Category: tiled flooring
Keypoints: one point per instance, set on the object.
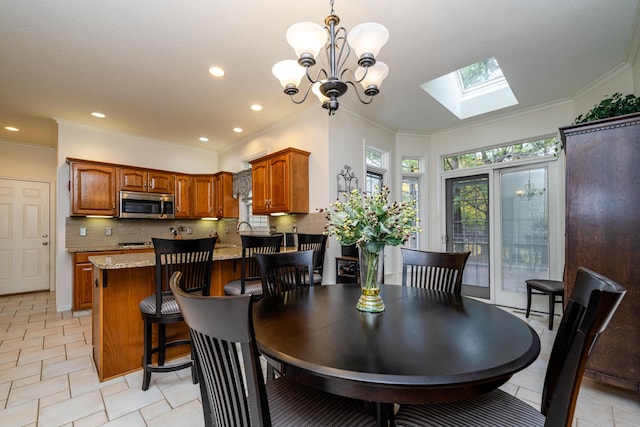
(47, 378)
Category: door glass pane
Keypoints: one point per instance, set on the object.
(468, 229)
(525, 225)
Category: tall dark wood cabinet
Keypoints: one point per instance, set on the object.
(603, 233)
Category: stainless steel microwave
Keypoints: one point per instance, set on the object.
(146, 205)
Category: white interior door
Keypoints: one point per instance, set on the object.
(24, 236)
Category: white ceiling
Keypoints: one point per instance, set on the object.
(144, 63)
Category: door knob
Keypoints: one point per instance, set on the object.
(45, 243)
(44, 236)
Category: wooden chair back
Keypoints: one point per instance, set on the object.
(233, 389)
(251, 245)
(441, 271)
(591, 305)
(284, 271)
(192, 257)
(317, 243)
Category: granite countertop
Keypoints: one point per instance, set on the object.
(148, 259)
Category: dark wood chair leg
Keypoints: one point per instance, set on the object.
(146, 356)
(528, 300)
(162, 344)
(552, 306)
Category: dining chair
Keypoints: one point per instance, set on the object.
(554, 289)
(194, 259)
(318, 243)
(250, 281)
(441, 271)
(591, 305)
(232, 388)
(284, 271)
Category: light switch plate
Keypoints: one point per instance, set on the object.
(107, 231)
(83, 231)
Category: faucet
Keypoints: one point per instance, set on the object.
(244, 222)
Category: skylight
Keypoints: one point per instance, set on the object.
(472, 90)
(480, 74)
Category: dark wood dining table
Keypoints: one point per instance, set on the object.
(426, 347)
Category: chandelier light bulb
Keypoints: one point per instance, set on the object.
(373, 77)
(306, 39)
(368, 38)
(289, 73)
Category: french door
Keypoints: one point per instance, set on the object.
(503, 218)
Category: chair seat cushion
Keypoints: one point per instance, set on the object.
(496, 408)
(169, 305)
(294, 404)
(555, 286)
(253, 287)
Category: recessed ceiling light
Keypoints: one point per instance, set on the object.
(12, 129)
(216, 71)
(204, 139)
(237, 130)
(98, 115)
(256, 107)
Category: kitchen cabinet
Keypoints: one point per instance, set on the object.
(143, 180)
(602, 229)
(83, 276)
(280, 182)
(224, 204)
(182, 192)
(83, 279)
(203, 196)
(93, 188)
(213, 196)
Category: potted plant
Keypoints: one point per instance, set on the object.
(611, 106)
(369, 221)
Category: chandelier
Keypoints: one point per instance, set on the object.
(530, 190)
(330, 82)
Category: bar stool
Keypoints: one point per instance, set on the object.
(193, 258)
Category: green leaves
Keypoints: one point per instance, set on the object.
(369, 219)
(615, 105)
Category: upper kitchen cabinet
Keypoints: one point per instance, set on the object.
(93, 188)
(134, 179)
(183, 196)
(213, 196)
(203, 196)
(224, 204)
(280, 182)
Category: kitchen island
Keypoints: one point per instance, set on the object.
(120, 283)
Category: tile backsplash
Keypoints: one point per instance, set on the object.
(142, 230)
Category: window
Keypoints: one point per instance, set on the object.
(411, 177)
(544, 147)
(480, 74)
(258, 222)
(376, 163)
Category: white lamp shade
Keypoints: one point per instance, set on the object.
(288, 72)
(307, 37)
(375, 75)
(368, 38)
(315, 88)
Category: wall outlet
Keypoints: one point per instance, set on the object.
(189, 230)
(107, 231)
(83, 231)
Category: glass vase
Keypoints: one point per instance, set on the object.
(370, 264)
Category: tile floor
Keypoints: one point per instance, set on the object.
(47, 378)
